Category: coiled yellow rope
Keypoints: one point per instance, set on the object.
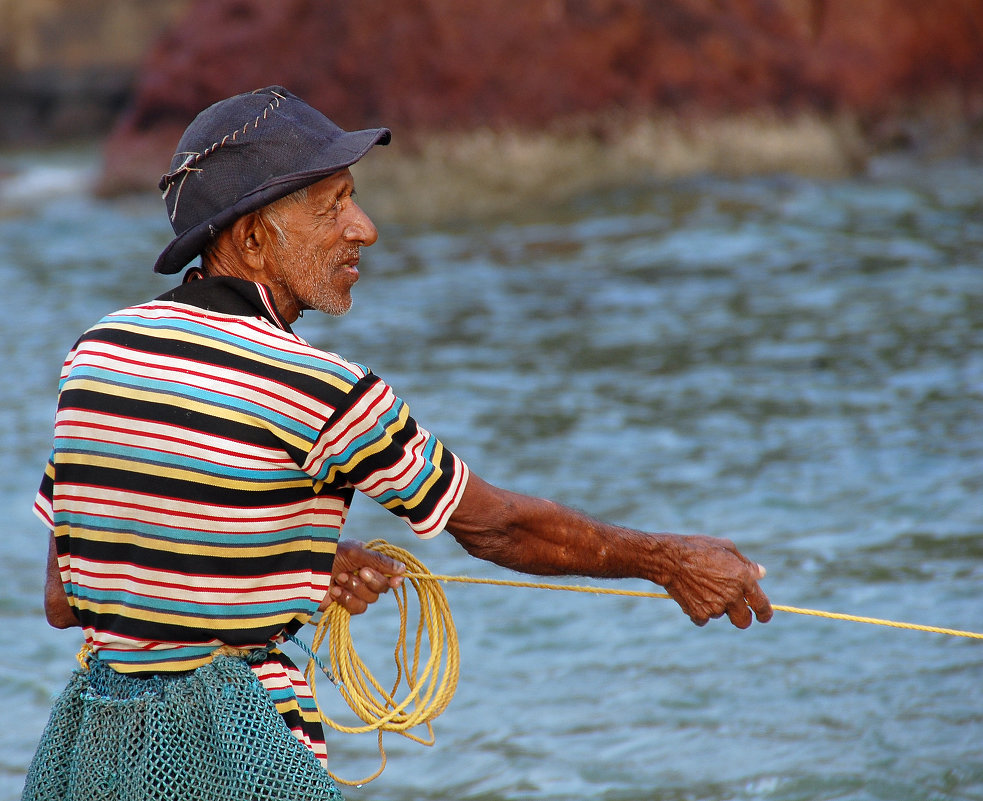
(432, 684)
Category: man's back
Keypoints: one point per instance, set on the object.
(203, 466)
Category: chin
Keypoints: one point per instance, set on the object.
(337, 307)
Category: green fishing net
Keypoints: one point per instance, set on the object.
(209, 735)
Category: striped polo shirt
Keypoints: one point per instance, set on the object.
(204, 461)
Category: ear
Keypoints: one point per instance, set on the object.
(250, 239)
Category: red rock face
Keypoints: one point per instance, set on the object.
(420, 65)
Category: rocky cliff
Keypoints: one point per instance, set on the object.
(702, 84)
(452, 64)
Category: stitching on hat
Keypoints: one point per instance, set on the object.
(184, 171)
(192, 158)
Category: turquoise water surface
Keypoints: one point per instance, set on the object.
(794, 364)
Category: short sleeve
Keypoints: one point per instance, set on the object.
(43, 504)
(372, 443)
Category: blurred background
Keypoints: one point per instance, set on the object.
(690, 266)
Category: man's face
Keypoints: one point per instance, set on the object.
(318, 262)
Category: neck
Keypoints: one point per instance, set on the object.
(288, 305)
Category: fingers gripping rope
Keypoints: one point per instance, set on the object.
(432, 684)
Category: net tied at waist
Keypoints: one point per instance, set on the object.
(209, 734)
(252, 656)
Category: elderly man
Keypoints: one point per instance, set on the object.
(205, 457)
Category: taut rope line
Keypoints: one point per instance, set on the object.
(641, 594)
(431, 684)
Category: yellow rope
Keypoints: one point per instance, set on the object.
(640, 594)
(432, 684)
(83, 655)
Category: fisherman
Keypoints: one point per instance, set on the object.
(205, 457)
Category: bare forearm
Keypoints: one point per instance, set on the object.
(707, 576)
(540, 537)
(57, 610)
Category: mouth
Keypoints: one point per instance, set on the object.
(350, 265)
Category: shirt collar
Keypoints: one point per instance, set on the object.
(227, 295)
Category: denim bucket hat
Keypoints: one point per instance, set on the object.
(241, 154)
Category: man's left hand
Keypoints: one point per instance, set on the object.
(360, 576)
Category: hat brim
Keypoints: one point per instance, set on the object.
(190, 243)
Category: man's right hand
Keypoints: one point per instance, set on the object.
(360, 575)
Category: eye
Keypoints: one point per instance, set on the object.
(340, 201)
(330, 212)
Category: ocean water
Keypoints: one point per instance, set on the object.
(794, 364)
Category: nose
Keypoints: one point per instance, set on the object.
(360, 228)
